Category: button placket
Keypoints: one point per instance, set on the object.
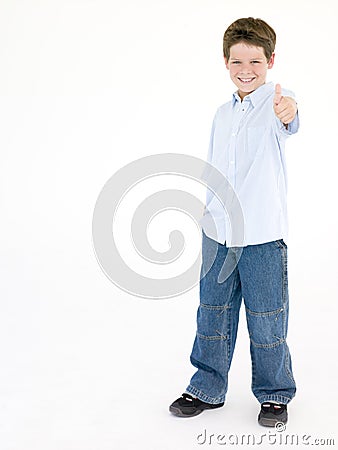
(232, 147)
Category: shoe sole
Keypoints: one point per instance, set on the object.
(265, 422)
(177, 412)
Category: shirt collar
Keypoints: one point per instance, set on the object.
(256, 96)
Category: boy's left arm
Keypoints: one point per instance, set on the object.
(285, 107)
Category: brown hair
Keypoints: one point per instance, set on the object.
(252, 32)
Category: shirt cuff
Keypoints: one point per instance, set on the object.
(292, 126)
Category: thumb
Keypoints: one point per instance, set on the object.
(278, 94)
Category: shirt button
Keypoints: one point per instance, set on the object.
(233, 134)
(232, 162)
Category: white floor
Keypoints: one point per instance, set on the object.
(87, 367)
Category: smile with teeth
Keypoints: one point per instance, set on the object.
(246, 80)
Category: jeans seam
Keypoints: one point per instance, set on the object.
(228, 348)
(284, 297)
(281, 244)
(220, 308)
(264, 314)
(275, 344)
(286, 366)
(220, 337)
(229, 323)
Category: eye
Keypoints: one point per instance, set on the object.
(236, 62)
(255, 62)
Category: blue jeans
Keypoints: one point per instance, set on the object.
(260, 277)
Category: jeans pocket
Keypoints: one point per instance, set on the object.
(212, 322)
(266, 329)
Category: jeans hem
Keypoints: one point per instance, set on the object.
(204, 397)
(274, 398)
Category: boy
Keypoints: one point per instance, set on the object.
(247, 146)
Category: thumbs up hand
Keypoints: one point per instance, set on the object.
(285, 107)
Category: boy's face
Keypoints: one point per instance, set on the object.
(248, 67)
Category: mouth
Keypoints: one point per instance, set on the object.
(246, 80)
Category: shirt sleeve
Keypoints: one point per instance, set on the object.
(292, 126)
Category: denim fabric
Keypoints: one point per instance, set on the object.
(259, 276)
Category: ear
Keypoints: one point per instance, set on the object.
(226, 63)
(271, 61)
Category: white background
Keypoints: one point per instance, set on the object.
(85, 88)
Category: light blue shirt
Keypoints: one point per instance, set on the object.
(247, 145)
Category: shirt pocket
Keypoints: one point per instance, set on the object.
(255, 141)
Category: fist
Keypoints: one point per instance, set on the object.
(285, 107)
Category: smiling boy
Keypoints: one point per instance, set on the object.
(248, 67)
(247, 146)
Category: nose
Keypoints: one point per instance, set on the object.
(246, 68)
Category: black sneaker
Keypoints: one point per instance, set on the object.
(272, 413)
(188, 406)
